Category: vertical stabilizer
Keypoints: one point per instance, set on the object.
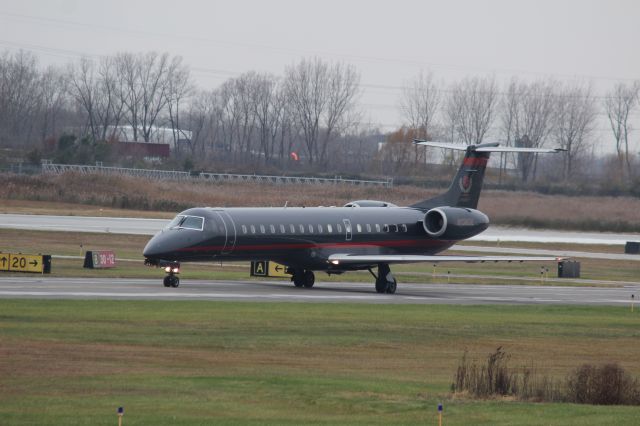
(465, 188)
(467, 184)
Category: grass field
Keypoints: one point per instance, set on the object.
(75, 362)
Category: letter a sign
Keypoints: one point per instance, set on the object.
(259, 268)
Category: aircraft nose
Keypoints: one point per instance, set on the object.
(152, 249)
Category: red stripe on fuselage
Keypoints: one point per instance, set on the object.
(294, 246)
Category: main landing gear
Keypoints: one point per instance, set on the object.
(385, 281)
(302, 278)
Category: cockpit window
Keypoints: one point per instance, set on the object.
(187, 222)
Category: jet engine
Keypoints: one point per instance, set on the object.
(454, 223)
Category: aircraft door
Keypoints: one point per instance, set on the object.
(347, 229)
(229, 230)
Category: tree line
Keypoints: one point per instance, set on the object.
(542, 113)
(309, 114)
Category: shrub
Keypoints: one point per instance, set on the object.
(493, 378)
(608, 384)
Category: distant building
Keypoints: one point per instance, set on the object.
(159, 135)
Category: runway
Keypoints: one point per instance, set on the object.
(283, 291)
(139, 226)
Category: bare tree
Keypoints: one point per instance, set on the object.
(342, 94)
(20, 97)
(619, 103)
(153, 85)
(471, 108)
(180, 87)
(575, 117)
(145, 88)
(96, 89)
(54, 89)
(322, 96)
(269, 108)
(419, 103)
(202, 120)
(83, 88)
(527, 113)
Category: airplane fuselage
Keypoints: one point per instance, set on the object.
(297, 236)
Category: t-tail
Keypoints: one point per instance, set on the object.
(467, 184)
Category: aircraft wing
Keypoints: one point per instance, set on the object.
(338, 259)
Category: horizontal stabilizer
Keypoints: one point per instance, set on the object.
(338, 259)
(485, 147)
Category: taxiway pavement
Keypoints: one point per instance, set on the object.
(283, 291)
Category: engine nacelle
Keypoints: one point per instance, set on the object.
(369, 203)
(454, 223)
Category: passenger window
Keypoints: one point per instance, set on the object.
(244, 229)
(394, 228)
(301, 229)
(377, 227)
(329, 229)
(385, 228)
(282, 229)
(310, 228)
(358, 227)
(368, 228)
(253, 229)
(262, 229)
(319, 229)
(292, 229)
(339, 228)
(272, 229)
(404, 227)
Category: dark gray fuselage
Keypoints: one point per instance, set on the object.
(300, 237)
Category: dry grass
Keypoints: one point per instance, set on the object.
(114, 192)
(604, 384)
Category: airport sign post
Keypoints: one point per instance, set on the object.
(439, 414)
(120, 414)
(266, 268)
(99, 259)
(34, 263)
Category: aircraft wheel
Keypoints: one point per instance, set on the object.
(309, 279)
(175, 282)
(167, 281)
(381, 286)
(391, 286)
(298, 278)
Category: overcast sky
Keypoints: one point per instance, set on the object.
(388, 41)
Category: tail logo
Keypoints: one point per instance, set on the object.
(465, 183)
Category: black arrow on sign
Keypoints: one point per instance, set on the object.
(278, 268)
(33, 262)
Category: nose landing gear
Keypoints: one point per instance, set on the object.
(171, 268)
(171, 280)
